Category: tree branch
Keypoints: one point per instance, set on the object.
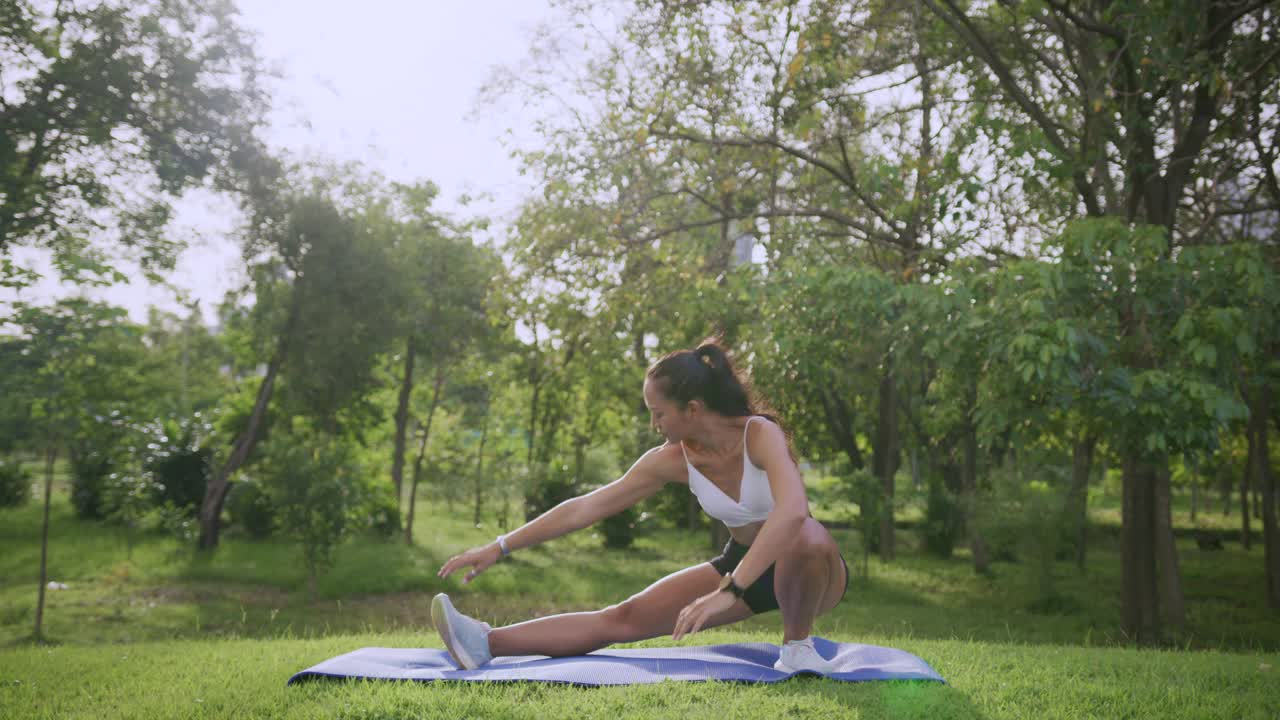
(1086, 23)
(1205, 109)
(751, 142)
(980, 44)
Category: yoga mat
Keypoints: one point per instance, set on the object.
(743, 662)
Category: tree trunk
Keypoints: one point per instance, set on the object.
(1171, 597)
(402, 422)
(313, 582)
(580, 458)
(215, 495)
(969, 487)
(1225, 487)
(535, 383)
(885, 458)
(840, 423)
(1137, 550)
(1078, 504)
(50, 456)
(506, 504)
(1265, 479)
(533, 424)
(422, 451)
(1246, 534)
(484, 433)
(1195, 495)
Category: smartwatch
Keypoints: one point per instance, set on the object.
(727, 583)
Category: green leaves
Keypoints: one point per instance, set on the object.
(1125, 336)
(111, 109)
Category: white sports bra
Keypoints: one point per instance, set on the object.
(756, 496)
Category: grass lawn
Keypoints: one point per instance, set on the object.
(245, 678)
(158, 632)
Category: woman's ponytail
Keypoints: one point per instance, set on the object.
(707, 373)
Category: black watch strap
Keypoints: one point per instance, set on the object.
(731, 586)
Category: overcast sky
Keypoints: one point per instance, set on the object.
(390, 82)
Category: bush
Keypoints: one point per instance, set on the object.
(313, 483)
(250, 507)
(548, 491)
(175, 521)
(374, 509)
(100, 449)
(619, 529)
(864, 488)
(671, 509)
(1024, 518)
(89, 478)
(129, 495)
(178, 455)
(941, 519)
(125, 471)
(15, 484)
(598, 468)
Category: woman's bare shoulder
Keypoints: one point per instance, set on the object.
(763, 439)
(667, 461)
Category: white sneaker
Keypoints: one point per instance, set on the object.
(466, 639)
(800, 655)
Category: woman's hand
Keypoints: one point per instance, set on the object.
(698, 612)
(479, 558)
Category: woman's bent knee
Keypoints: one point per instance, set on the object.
(813, 544)
(619, 622)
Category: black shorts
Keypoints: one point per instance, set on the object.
(760, 596)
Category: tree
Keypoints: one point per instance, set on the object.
(1231, 333)
(445, 280)
(834, 329)
(1115, 105)
(185, 363)
(946, 328)
(310, 483)
(1064, 352)
(70, 353)
(324, 307)
(111, 109)
(707, 123)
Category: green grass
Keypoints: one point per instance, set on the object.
(245, 678)
(257, 589)
(147, 634)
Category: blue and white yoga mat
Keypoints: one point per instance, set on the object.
(743, 662)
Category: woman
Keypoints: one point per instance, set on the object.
(778, 556)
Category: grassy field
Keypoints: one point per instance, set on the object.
(245, 678)
(159, 632)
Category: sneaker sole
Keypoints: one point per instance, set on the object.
(782, 666)
(440, 607)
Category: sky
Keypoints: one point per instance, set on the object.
(392, 83)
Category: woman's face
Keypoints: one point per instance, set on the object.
(664, 415)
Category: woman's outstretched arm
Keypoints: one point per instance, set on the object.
(645, 478)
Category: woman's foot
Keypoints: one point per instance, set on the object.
(800, 655)
(466, 639)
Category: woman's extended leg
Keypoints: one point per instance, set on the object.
(647, 614)
(808, 579)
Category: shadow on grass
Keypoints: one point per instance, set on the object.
(890, 699)
(25, 642)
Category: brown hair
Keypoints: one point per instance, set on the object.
(706, 373)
